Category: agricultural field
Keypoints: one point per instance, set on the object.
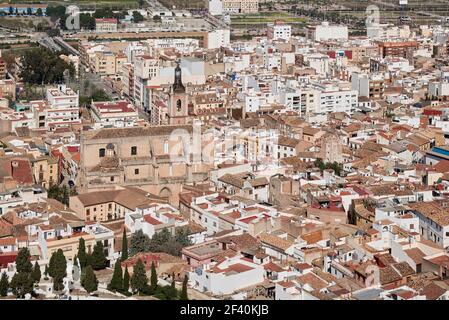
(266, 17)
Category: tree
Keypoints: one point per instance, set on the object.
(126, 280)
(39, 12)
(42, 66)
(4, 285)
(157, 18)
(124, 246)
(153, 278)
(23, 263)
(90, 282)
(98, 258)
(164, 241)
(36, 273)
(58, 269)
(116, 283)
(171, 292)
(183, 295)
(137, 17)
(55, 12)
(29, 11)
(99, 95)
(87, 21)
(21, 284)
(139, 243)
(139, 280)
(82, 255)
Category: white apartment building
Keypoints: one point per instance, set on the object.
(301, 100)
(114, 114)
(325, 31)
(227, 277)
(319, 62)
(218, 38)
(332, 99)
(215, 7)
(279, 31)
(146, 68)
(63, 107)
(439, 88)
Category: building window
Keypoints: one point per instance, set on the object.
(178, 105)
(112, 179)
(165, 146)
(133, 150)
(136, 171)
(102, 152)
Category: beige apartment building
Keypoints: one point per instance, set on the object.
(45, 170)
(106, 25)
(69, 245)
(110, 205)
(240, 6)
(107, 63)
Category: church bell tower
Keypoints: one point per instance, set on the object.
(178, 102)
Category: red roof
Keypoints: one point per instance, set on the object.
(72, 149)
(151, 220)
(20, 170)
(113, 107)
(111, 20)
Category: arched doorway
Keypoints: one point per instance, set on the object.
(165, 193)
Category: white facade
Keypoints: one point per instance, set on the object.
(215, 7)
(325, 32)
(227, 277)
(440, 88)
(63, 107)
(218, 38)
(337, 101)
(277, 31)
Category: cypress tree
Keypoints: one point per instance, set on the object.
(173, 292)
(58, 269)
(4, 285)
(90, 282)
(139, 280)
(82, 255)
(98, 258)
(23, 263)
(153, 279)
(183, 295)
(36, 274)
(126, 280)
(21, 284)
(116, 283)
(124, 246)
